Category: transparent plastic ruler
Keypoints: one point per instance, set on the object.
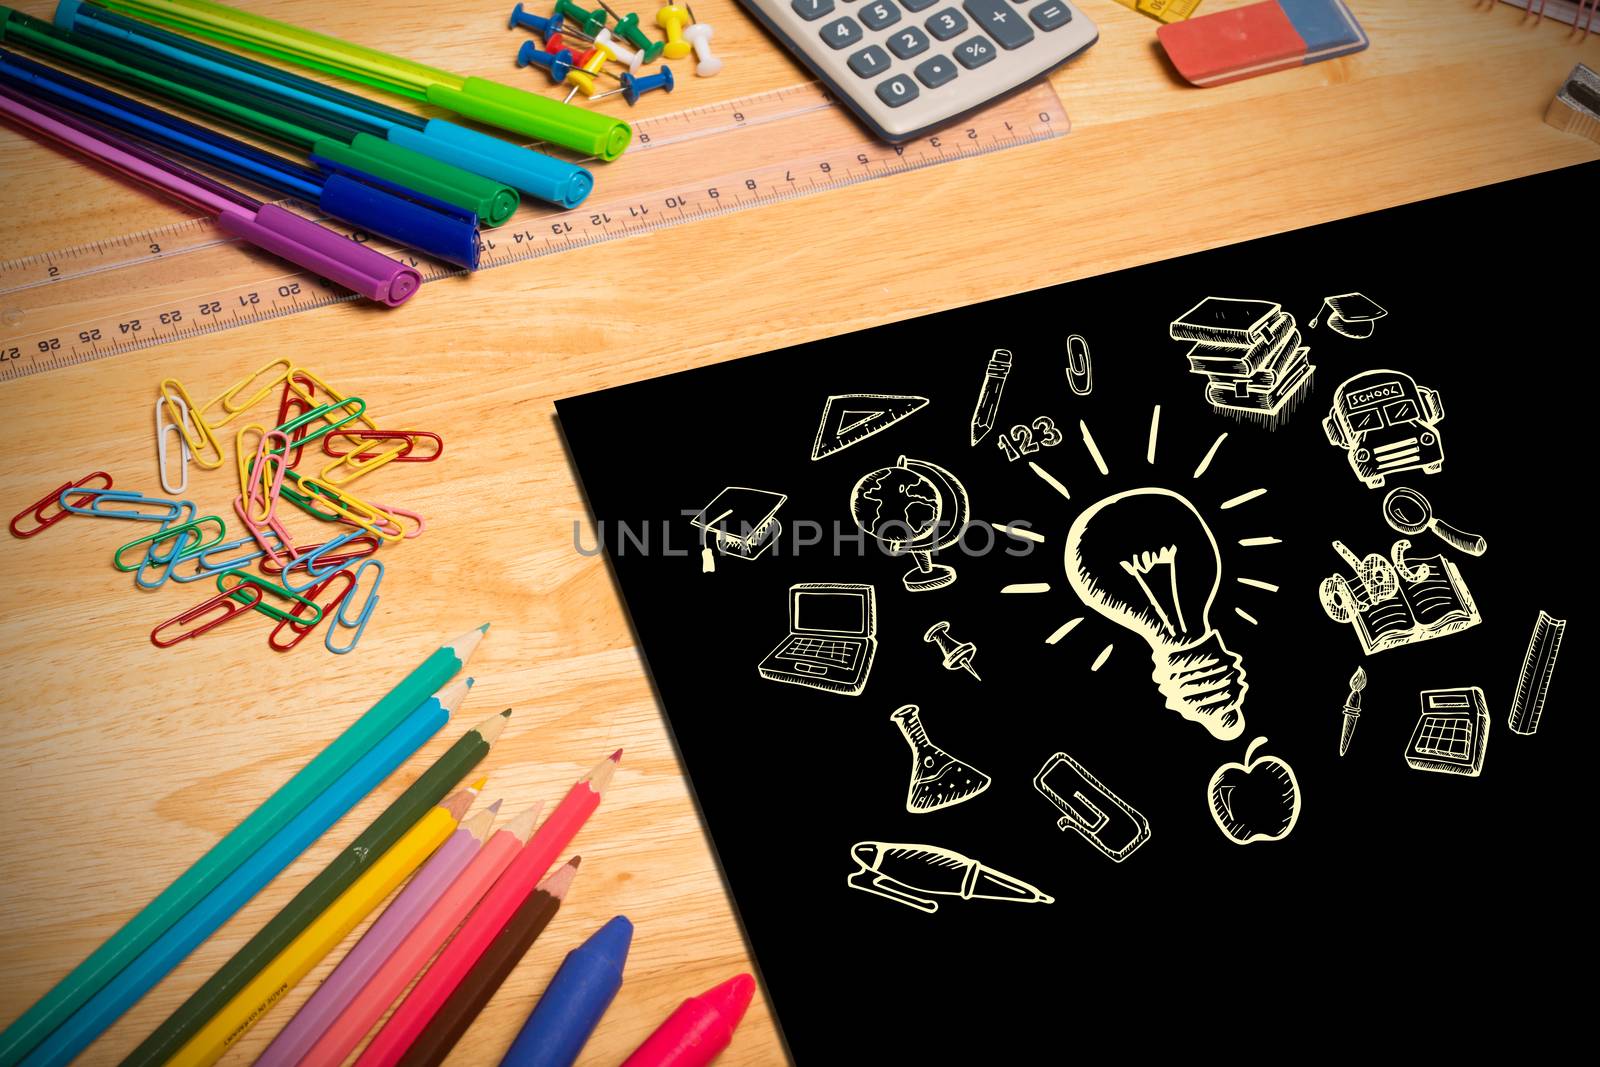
(130, 291)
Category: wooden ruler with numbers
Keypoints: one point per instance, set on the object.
(58, 309)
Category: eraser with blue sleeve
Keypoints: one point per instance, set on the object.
(1260, 38)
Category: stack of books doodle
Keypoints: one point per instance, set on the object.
(1250, 353)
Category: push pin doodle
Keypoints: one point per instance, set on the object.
(957, 654)
(633, 88)
(1352, 709)
(672, 19)
(628, 29)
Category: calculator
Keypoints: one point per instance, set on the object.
(906, 67)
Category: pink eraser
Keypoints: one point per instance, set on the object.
(1227, 46)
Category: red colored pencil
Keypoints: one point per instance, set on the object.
(699, 1030)
(489, 918)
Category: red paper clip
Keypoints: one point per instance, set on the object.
(410, 437)
(300, 631)
(36, 509)
(272, 567)
(260, 531)
(291, 406)
(231, 607)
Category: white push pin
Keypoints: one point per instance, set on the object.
(706, 64)
(628, 57)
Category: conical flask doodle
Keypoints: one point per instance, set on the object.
(938, 779)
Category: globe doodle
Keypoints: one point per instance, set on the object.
(915, 507)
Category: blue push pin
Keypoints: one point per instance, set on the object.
(556, 64)
(633, 88)
(543, 27)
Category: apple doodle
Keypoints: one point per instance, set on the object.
(1257, 800)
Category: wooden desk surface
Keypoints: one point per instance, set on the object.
(122, 763)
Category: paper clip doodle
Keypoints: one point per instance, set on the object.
(164, 428)
(368, 542)
(90, 501)
(359, 624)
(41, 520)
(197, 435)
(275, 374)
(309, 558)
(231, 605)
(300, 630)
(1080, 371)
(1088, 808)
(270, 610)
(411, 437)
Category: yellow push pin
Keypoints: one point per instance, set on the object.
(672, 19)
(957, 654)
(582, 76)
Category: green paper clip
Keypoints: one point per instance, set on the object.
(276, 590)
(183, 553)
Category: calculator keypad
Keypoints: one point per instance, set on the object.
(975, 52)
(842, 33)
(870, 62)
(811, 10)
(947, 23)
(1001, 21)
(897, 91)
(880, 15)
(908, 42)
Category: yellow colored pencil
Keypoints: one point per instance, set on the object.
(325, 932)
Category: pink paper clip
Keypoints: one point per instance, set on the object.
(37, 509)
(405, 512)
(232, 608)
(259, 478)
(300, 630)
(260, 531)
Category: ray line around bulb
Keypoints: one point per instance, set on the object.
(1100, 660)
(1063, 630)
(1242, 498)
(1210, 455)
(1245, 616)
(1050, 479)
(1155, 426)
(1257, 584)
(1027, 587)
(1017, 531)
(1094, 449)
(1257, 542)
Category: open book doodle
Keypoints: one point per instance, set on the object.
(1399, 600)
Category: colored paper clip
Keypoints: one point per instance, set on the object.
(310, 559)
(163, 567)
(232, 607)
(306, 384)
(411, 437)
(164, 428)
(359, 625)
(196, 434)
(246, 578)
(275, 373)
(300, 630)
(241, 450)
(412, 515)
(351, 466)
(94, 498)
(261, 531)
(207, 568)
(300, 405)
(265, 478)
(321, 412)
(176, 554)
(53, 498)
(272, 569)
(353, 509)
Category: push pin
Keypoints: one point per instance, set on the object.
(544, 27)
(633, 88)
(957, 655)
(699, 35)
(556, 64)
(628, 29)
(673, 19)
(621, 52)
(591, 22)
(582, 77)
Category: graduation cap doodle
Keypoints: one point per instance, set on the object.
(1350, 315)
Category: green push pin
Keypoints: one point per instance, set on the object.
(628, 29)
(590, 22)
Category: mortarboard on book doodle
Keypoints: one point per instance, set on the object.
(740, 522)
(1350, 315)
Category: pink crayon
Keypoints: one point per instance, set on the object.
(699, 1030)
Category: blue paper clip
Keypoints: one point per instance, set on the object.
(360, 624)
(210, 569)
(153, 562)
(96, 496)
(310, 559)
(186, 548)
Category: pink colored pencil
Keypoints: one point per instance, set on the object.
(412, 954)
(358, 967)
(486, 922)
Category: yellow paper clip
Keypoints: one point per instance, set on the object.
(242, 450)
(274, 372)
(356, 463)
(333, 395)
(196, 433)
(367, 516)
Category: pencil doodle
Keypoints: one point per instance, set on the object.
(914, 874)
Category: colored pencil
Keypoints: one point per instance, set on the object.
(155, 962)
(479, 984)
(490, 917)
(362, 962)
(699, 1030)
(437, 781)
(574, 1001)
(243, 841)
(325, 932)
(420, 945)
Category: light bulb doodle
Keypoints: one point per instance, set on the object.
(1147, 561)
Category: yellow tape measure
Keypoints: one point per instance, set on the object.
(1165, 10)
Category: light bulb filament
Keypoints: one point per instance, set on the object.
(1143, 564)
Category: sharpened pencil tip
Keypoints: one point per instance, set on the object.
(615, 757)
(477, 787)
(484, 628)
(506, 714)
(471, 682)
(494, 809)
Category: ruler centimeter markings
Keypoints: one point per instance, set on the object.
(98, 299)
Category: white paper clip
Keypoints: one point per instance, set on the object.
(163, 428)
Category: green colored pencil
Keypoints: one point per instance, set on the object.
(426, 792)
(242, 842)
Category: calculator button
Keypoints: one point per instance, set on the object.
(1000, 20)
(908, 42)
(917, 5)
(884, 13)
(841, 33)
(1048, 16)
(974, 52)
(947, 23)
(935, 72)
(897, 90)
(811, 10)
(870, 62)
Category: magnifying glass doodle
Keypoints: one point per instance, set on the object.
(1409, 512)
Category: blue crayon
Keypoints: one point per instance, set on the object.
(577, 997)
